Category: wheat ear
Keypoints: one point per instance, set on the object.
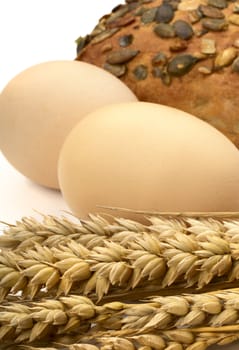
(175, 253)
(163, 239)
(31, 321)
(166, 340)
(52, 231)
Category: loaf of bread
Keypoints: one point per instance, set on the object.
(181, 53)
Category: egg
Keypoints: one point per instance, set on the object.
(145, 156)
(39, 107)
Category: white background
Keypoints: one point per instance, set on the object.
(34, 31)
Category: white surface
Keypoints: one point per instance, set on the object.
(21, 197)
(33, 31)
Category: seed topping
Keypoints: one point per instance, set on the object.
(139, 12)
(235, 65)
(159, 59)
(181, 64)
(189, 5)
(210, 11)
(183, 29)
(99, 28)
(149, 15)
(208, 46)
(164, 14)
(107, 47)
(221, 4)
(164, 30)
(234, 19)
(208, 15)
(173, 3)
(162, 73)
(157, 72)
(120, 12)
(214, 24)
(140, 72)
(104, 35)
(225, 58)
(205, 70)
(121, 56)
(81, 43)
(178, 45)
(236, 8)
(194, 16)
(126, 40)
(121, 22)
(117, 69)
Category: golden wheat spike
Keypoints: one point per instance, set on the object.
(124, 258)
(31, 321)
(120, 259)
(167, 340)
(52, 230)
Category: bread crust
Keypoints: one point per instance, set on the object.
(197, 73)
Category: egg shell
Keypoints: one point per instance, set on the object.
(145, 156)
(40, 106)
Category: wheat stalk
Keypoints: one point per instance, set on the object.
(125, 258)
